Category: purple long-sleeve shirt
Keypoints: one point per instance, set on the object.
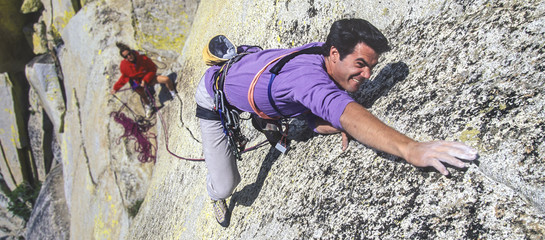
(302, 85)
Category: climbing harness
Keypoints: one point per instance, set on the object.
(220, 51)
(275, 70)
(280, 120)
(228, 115)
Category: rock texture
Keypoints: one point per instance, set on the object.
(30, 6)
(165, 29)
(13, 139)
(50, 219)
(446, 78)
(469, 71)
(57, 14)
(40, 133)
(42, 75)
(11, 227)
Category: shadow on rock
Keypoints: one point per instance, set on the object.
(371, 91)
(249, 193)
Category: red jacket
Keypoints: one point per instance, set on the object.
(143, 70)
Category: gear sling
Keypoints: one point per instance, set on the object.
(230, 115)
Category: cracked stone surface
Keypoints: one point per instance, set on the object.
(469, 71)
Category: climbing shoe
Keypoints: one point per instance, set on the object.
(221, 212)
(148, 110)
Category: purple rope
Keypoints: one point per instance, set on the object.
(137, 131)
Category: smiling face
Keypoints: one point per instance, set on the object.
(355, 67)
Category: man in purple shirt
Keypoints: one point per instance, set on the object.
(315, 83)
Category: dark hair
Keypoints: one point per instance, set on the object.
(122, 47)
(345, 34)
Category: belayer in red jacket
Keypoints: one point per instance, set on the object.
(139, 71)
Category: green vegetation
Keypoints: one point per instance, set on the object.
(133, 210)
(22, 199)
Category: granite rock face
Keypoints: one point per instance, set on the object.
(469, 71)
(30, 6)
(41, 137)
(103, 180)
(486, 81)
(56, 15)
(50, 219)
(13, 137)
(11, 227)
(464, 71)
(162, 30)
(42, 75)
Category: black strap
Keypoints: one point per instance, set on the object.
(280, 64)
(207, 114)
(223, 72)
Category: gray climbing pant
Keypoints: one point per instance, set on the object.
(223, 175)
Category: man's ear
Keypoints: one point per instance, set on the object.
(334, 54)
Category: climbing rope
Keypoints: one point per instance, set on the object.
(166, 136)
(138, 131)
(165, 131)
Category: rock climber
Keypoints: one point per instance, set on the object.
(315, 83)
(140, 71)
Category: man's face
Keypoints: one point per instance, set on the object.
(354, 69)
(128, 55)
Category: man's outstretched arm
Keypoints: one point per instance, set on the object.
(369, 130)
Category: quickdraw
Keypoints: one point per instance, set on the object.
(229, 115)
